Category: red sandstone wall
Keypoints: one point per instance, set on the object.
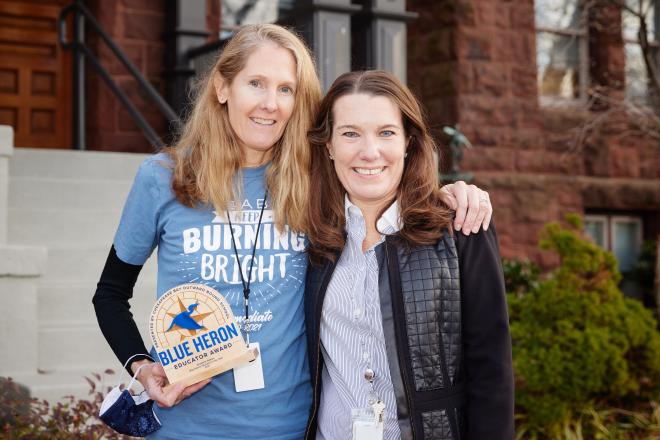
(473, 62)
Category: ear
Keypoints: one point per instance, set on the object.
(220, 86)
(328, 147)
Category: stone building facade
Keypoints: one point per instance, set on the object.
(473, 63)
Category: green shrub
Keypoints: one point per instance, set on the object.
(643, 273)
(578, 343)
(520, 276)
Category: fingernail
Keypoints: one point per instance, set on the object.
(466, 232)
(457, 226)
(485, 228)
(475, 230)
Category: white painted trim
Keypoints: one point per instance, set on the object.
(627, 219)
(606, 229)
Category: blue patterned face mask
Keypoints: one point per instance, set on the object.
(129, 414)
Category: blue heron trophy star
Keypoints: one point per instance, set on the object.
(195, 334)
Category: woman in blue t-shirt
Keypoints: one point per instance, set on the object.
(243, 156)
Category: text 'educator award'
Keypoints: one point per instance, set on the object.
(195, 335)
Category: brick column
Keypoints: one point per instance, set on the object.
(473, 62)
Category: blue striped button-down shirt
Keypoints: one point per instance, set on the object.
(352, 333)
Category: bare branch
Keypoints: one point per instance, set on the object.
(642, 13)
(640, 119)
(649, 62)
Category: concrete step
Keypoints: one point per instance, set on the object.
(65, 302)
(70, 202)
(55, 227)
(84, 263)
(55, 385)
(78, 344)
(70, 164)
(77, 194)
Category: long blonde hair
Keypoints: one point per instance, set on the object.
(207, 156)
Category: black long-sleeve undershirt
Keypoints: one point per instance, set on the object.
(113, 313)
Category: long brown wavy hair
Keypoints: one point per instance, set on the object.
(207, 156)
(423, 213)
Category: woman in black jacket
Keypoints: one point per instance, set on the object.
(406, 320)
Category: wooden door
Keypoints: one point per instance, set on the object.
(35, 74)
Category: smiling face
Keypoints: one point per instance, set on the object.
(368, 145)
(260, 101)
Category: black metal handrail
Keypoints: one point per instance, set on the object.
(83, 16)
(205, 49)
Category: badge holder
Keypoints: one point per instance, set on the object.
(369, 423)
(250, 376)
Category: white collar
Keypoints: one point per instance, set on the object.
(388, 223)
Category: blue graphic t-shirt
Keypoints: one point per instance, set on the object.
(195, 246)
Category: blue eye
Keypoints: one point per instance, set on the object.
(255, 83)
(350, 134)
(387, 133)
(286, 90)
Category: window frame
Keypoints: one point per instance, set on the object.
(601, 218)
(582, 34)
(609, 237)
(654, 42)
(614, 219)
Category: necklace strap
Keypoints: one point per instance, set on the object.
(246, 284)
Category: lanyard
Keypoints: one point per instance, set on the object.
(246, 285)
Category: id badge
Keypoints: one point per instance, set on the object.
(368, 424)
(250, 376)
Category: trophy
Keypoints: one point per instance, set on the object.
(195, 334)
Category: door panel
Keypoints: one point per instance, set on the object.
(35, 74)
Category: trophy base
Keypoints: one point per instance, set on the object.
(248, 356)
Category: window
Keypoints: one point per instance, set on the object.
(561, 50)
(637, 79)
(235, 13)
(621, 235)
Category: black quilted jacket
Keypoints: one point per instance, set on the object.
(444, 308)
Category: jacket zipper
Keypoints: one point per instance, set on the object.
(402, 363)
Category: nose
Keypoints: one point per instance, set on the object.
(369, 150)
(269, 101)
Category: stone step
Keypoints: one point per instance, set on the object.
(70, 164)
(55, 385)
(70, 202)
(61, 303)
(78, 344)
(54, 227)
(84, 263)
(63, 194)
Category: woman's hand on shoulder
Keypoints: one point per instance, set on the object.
(153, 379)
(472, 206)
